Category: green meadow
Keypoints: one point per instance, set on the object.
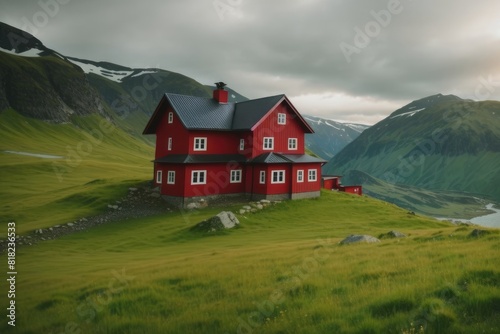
(281, 271)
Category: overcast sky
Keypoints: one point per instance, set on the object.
(348, 60)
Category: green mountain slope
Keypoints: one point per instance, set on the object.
(99, 161)
(438, 143)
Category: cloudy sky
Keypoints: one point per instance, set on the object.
(352, 60)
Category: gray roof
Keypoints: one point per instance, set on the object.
(277, 158)
(248, 113)
(201, 113)
(266, 158)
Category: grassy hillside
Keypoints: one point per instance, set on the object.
(99, 163)
(436, 143)
(282, 271)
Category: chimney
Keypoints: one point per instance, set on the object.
(220, 95)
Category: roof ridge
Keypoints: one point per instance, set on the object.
(261, 98)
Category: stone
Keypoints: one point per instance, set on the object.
(392, 234)
(476, 233)
(265, 201)
(223, 220)
(359, 238)
(247, 207)
(192, 206)
(112, 206)
(70, 224)
(259, 206)
(242, 211)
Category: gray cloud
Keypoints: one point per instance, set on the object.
(294, 47)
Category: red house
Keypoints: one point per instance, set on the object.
(209, 148)
(332, 182)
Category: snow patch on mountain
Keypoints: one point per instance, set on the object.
(27, 53)
(409, 113)
(116, 76)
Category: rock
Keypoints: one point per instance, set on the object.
(223, 220)
(476, 233)
(112, 206)
(265, 201)
(192, 206)
(358, 238)
(259, 206)
(392, 234)
(70, 224)
(242, 211)
(247, 207)
(132, 189)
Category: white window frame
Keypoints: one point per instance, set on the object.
(169, 144)
(197, 180)
(281, 118)
(159, 176)
(278, 172)
(200, 144)
(262, 177)
(170, 117)
(235, 176)
(292, 144)
(268, 143)
(300, 175)
(171, 177)
(312, 172)
(242, 144)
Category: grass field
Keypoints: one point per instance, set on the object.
(281, 271)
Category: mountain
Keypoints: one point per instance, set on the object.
(329, 136)
(41, 83)
(440, 142)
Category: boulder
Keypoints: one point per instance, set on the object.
(358, 238)
(192, 206)
(392, 234)
(223, 220)
(476, 233)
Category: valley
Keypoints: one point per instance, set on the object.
(113, 258)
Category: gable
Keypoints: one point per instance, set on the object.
(287, 106)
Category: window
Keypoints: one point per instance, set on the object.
(170, 117)
(268, 143)
(262, 177)
(198, 177)
(242, 144)
(236, 176)
(158, 176)
(281, 118)
(312, 175)
(300, 175)
(170, 144)
(171, 177)
(292, 143)
(200, 144)
(278, 176)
